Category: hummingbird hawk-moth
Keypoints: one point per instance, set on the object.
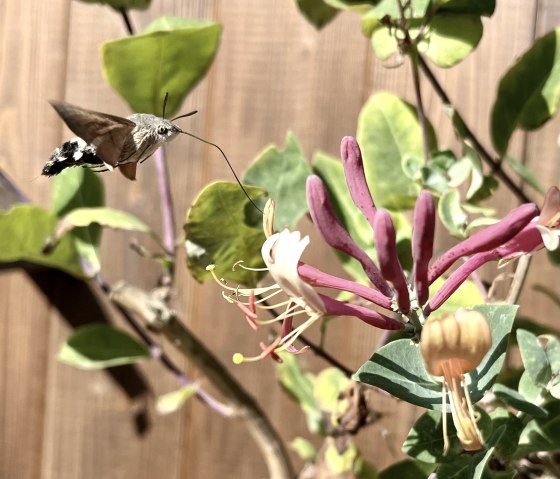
(108, 142)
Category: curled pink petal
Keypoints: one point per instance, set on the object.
(458, 277)
(318, 278)
(486, 239)
(334, 233)
(423, 243)
(389, 263)
(356, 178)
(373, 318)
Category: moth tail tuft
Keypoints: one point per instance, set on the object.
(75, 152)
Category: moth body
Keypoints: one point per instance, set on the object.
(106, 142)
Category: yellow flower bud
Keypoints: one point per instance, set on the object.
(464, 336)
(453, 345)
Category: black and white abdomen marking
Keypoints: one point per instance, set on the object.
(75, 152)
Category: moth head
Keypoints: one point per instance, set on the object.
(166, 130)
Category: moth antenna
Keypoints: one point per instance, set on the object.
(225, 158)
(164, 104)
(190, 113)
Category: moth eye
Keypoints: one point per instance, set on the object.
(162, 130)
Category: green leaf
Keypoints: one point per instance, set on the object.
(514, 426)
(408, 469)
(512, 398)
(174, 400)
(304, 449)
(525, 174)
(283, 174)
(106, 217)
(534, 357)
(78, 188)
(120, 4)
(398, 367)
(317, 12)
(173, 56)
(541, 434)
(451, 213)
(528, 94)
(450, 38)
(471, 466)
(222, 229)
(98, 346)
(360, 6)
(328, 385)
(425, 440)
(388, 132)
(473, 7)
(300, 386)
(529, 389)
(23, 230)
(338, 462)
(417, 8)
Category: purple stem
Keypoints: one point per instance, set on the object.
(166, 202)
(157, 353)
(335, 235)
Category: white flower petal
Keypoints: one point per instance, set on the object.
(551, 238)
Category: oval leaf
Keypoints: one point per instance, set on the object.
(388, 132)
(223, 228)
(534, 357)
(282, 173)
(23, 230)
(451, 213)
(106, 217)
(512, 398)
(529, 92)
(98, 346)
(142, 68)
(450, 38)
(317, 12)
(78, 188)
(398, 367)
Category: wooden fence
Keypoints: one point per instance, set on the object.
(273, 73)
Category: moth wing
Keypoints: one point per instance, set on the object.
(107, 132)
(128, 170)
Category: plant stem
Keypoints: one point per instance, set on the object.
(126, 21)
(267, 439)
(166, 198)
(166, 201)
(157, 353)
(242, 404)
(518, 279)
(419, 104)
(495, 165)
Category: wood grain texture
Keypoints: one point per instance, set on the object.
(273, 73)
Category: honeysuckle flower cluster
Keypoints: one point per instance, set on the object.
(398, 300)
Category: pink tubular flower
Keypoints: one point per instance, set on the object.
(401, 298)
(281, 253)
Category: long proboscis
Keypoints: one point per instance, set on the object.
(225, 158)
